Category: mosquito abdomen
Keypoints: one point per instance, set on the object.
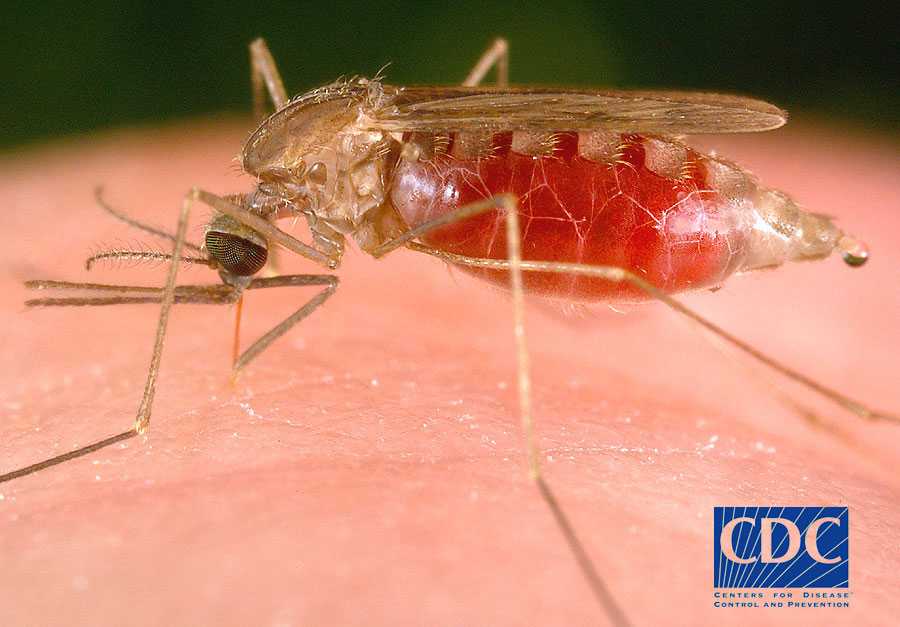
(680, 219)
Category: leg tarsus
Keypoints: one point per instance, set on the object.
(598, 586)
(59, 459)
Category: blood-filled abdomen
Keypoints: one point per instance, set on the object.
(649, 205)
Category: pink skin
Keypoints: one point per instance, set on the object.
(368, 468)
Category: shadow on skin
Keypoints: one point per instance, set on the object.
(369, 467)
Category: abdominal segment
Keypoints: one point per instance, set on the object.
(649, 205)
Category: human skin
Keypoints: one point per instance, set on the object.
(368, 468)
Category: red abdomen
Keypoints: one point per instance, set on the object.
(646, 205)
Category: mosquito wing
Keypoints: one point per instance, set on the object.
(555, 109)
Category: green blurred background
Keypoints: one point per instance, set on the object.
(72, 68)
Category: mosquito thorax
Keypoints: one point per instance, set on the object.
(319, 155)
(310, 122)
(238, 250)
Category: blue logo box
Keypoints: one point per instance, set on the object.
(781, 547)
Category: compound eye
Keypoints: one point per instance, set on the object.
(237, 255)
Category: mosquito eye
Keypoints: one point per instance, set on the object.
(236, 254)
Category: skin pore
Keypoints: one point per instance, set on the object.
(369, 469)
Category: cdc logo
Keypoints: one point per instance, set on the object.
(781, 547)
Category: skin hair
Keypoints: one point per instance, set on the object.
(369, 467)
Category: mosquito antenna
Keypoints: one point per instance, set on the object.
(59, 459)
(141, 255)
(119, 215)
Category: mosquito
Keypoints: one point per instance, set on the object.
(575, 194)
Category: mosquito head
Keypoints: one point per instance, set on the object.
(238, 250)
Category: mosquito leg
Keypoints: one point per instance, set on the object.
(264, 76)
(499, 201)
(266, 229)
(508, 203)
(167, 298)
(53, 461)
(169, 295)
(88, 287)
(329, 282)
(497, 54)
(620, 275)
(514, 259)
(124, 217)
(193, 294)
(130, 294)
(142, 421)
